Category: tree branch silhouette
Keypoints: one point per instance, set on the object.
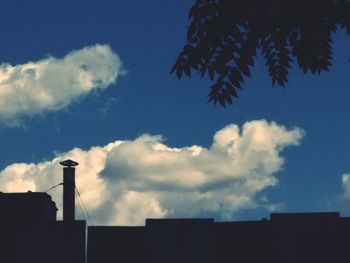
(224, 36)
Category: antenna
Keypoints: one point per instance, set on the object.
(69, 190)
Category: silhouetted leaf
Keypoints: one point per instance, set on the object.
(191, 31)
(222, 101)
(179, 71)
(243, 68)
(187, 70)
(211, 73)
(231, 91)
(173, 68)
(227, 96)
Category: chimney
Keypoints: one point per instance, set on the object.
(68, 190)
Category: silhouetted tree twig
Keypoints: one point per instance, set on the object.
(224, 36)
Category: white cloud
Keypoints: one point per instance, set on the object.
(125, 182)
(52, 84)
(346, 184)
(341, 201)
(344, 198)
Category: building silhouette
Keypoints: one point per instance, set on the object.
(30, 232)
(286, 238)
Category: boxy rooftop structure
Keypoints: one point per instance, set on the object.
(29, 231)
(27, 208)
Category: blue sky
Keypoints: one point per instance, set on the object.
(146, 99)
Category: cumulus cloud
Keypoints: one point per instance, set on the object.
(341, 201)
(52, 84)
(127, 181)
(346, 184)
(344, 198)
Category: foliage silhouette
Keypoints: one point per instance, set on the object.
(224, 36)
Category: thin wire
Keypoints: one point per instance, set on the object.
(83, 205)
(80, 205)
(53, 187)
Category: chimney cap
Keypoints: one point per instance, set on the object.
(69, 163)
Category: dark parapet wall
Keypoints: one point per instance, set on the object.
(305, 217)
(180, 240)
(70, 240)
(117, 244)
(52, 242)
(243, 242)
(161, 240)
(287, 238)
(310, 237)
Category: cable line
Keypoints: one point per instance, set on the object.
(53, 187)
(83, 206)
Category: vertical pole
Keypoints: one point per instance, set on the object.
(68, 190)
(68, 194)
